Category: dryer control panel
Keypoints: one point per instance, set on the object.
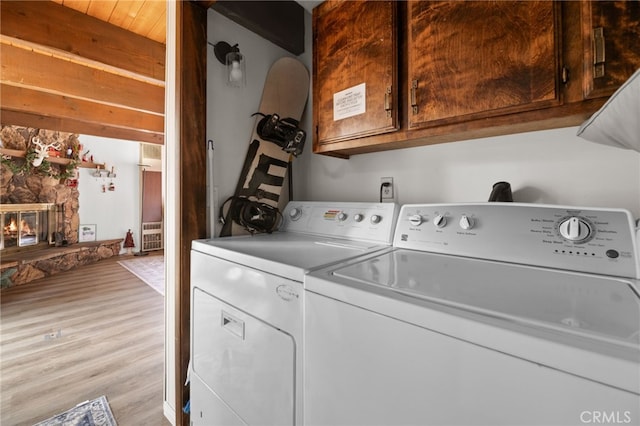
(355, 221)
(601, 241)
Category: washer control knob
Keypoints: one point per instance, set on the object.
(376, 218)
(295, 213)
(439, 221)
(415, 219)
(466, 222)
(342, 216)
(358, 217)
(575, 229)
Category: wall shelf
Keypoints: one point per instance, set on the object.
(53, 160)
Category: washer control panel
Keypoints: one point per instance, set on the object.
(601, 241)
(362, 221)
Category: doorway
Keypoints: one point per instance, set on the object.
(151, 207)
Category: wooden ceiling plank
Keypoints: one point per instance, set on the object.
(83, 128)
(79, 5)
(159, 31)
(101, 9)
(59, 27)
(51, 105)
(144, 22)
(25, 68)
(125, 13)
(134, 15)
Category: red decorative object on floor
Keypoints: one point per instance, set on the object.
(128, 242)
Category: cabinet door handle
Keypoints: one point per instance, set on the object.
(565, 75)
(598, 52)
(388, 100)
(414, 101)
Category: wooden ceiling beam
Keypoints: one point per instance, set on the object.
(49, 24)
(94, 116)
(52, 105)
(64, 70)
(73, 126)
(32, 69)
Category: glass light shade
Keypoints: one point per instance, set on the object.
(236, 73)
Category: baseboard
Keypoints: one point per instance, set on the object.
(169, 412)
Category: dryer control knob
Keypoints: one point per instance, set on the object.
(439, 221)
(466, 222)
(376, 218)
(415, 219)
(295, 213)
(358, 217)
(342, 216)
(575, 229)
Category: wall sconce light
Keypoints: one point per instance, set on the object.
(234, 60)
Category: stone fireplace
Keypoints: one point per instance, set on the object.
(36, 187)
(32, 198)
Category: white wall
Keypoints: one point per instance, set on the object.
(550, 166)
(114, 212)
(229, 121)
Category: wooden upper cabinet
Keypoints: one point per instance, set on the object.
(355, 79)
(611, 45)
(466, 69)
(469, 60)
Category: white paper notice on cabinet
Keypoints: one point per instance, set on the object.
(349, 102)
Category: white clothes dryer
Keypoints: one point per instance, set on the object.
(480, 314)
(246, 308)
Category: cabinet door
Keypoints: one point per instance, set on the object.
(611, 37)
(472, 60)
(354, 69)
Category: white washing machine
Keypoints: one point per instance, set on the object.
(246, 308)
(480, 314)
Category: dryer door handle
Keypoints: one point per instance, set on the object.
(232, 324)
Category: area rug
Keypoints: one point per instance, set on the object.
(149, 269)
(89, 413)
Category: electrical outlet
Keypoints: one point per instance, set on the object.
(386, 189)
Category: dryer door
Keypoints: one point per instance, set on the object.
(246, 363)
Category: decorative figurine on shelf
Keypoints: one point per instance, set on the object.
(128, 242)
(42, 150)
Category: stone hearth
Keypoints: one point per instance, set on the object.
(25, 267)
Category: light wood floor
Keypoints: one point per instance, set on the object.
(96, 330)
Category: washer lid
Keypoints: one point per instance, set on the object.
(596, 306)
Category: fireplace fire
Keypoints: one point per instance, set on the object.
(27, 225)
